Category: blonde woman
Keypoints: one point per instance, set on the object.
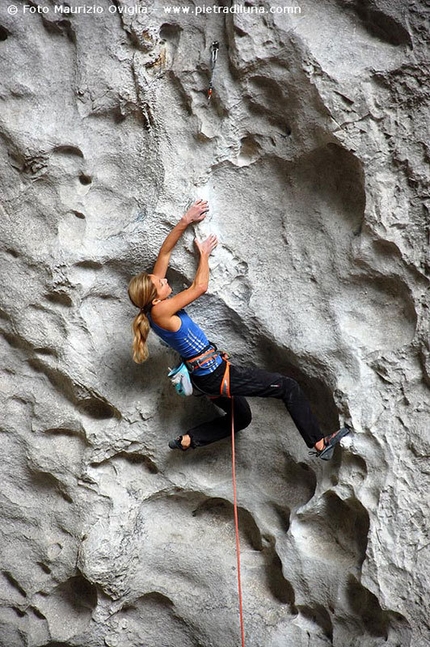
(226, 385)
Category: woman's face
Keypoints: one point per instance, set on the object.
(162, 286)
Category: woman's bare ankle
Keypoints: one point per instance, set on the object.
(319, 446)
(186, 441)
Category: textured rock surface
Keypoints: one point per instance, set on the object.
(313, 154)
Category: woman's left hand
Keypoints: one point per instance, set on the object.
(207, 246)
(196, 212)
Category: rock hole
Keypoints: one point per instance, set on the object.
(349, 522)
(136, 459)
(38, 613)
(85, 179)
(98, 409)
(223, 511)
(249, 151)
(69, 149)
(47, 352)
(43, 482)
(3, 33)
(280, 588)
(366, 606)
(61, 27)
(319, 616)
(283, 514)
(61, 298)
(12, 581)
(89, 265)
(170, 32)
(63, 431)
(381, 25)
(45, 568)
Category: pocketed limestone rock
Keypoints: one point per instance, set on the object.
(313, 154)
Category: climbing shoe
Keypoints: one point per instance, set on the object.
(329, 444)
(176, 443)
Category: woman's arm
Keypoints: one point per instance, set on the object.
(195, 213)
(164, 312)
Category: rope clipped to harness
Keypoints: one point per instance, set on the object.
(201, 360)
(214, 48)
(236, 522)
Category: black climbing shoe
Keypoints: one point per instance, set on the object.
(329, 444)
(176, 443)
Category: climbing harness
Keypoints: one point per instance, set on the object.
(208, 354)
(214, 56)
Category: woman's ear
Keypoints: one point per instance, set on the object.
(155, 301)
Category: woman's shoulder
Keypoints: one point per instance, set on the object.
(171, 323)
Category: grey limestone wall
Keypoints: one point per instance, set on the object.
(313, 154)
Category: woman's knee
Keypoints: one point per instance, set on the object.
(242, 413)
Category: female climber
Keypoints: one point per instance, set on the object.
(226, 385)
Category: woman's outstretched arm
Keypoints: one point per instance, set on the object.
(164, 312)
(195, 213)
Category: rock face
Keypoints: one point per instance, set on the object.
(313, 154)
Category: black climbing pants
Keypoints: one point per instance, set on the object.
(252, 382)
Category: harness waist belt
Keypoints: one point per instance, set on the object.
(209, 353)
(206, 356)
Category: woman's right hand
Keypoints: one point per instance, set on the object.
(206, 246)
(196, 212)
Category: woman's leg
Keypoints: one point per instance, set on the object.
(255, 382)
(220, 427)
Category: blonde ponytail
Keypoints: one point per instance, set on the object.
(141, 330)
(142, 292)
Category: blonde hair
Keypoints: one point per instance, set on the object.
(141, 291)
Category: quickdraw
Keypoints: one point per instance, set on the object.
(214, 56)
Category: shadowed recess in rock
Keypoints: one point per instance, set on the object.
(47, 483)
(74, 599)
(149, 618)
(375, 620)
(3, 33)
(59, 297)
(337, 527)
(319, 616)
(12, 581)
(62, 27)
(382, 20)
(132, 457)
(281, 589)
(331, 181)
(77, 432)
(79, 592)
(221, 510)
(68, 149)
(88, 402)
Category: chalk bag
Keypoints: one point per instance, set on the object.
(180, 378)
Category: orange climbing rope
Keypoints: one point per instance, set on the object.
(236, 525)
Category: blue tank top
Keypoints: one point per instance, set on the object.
(188, 341)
